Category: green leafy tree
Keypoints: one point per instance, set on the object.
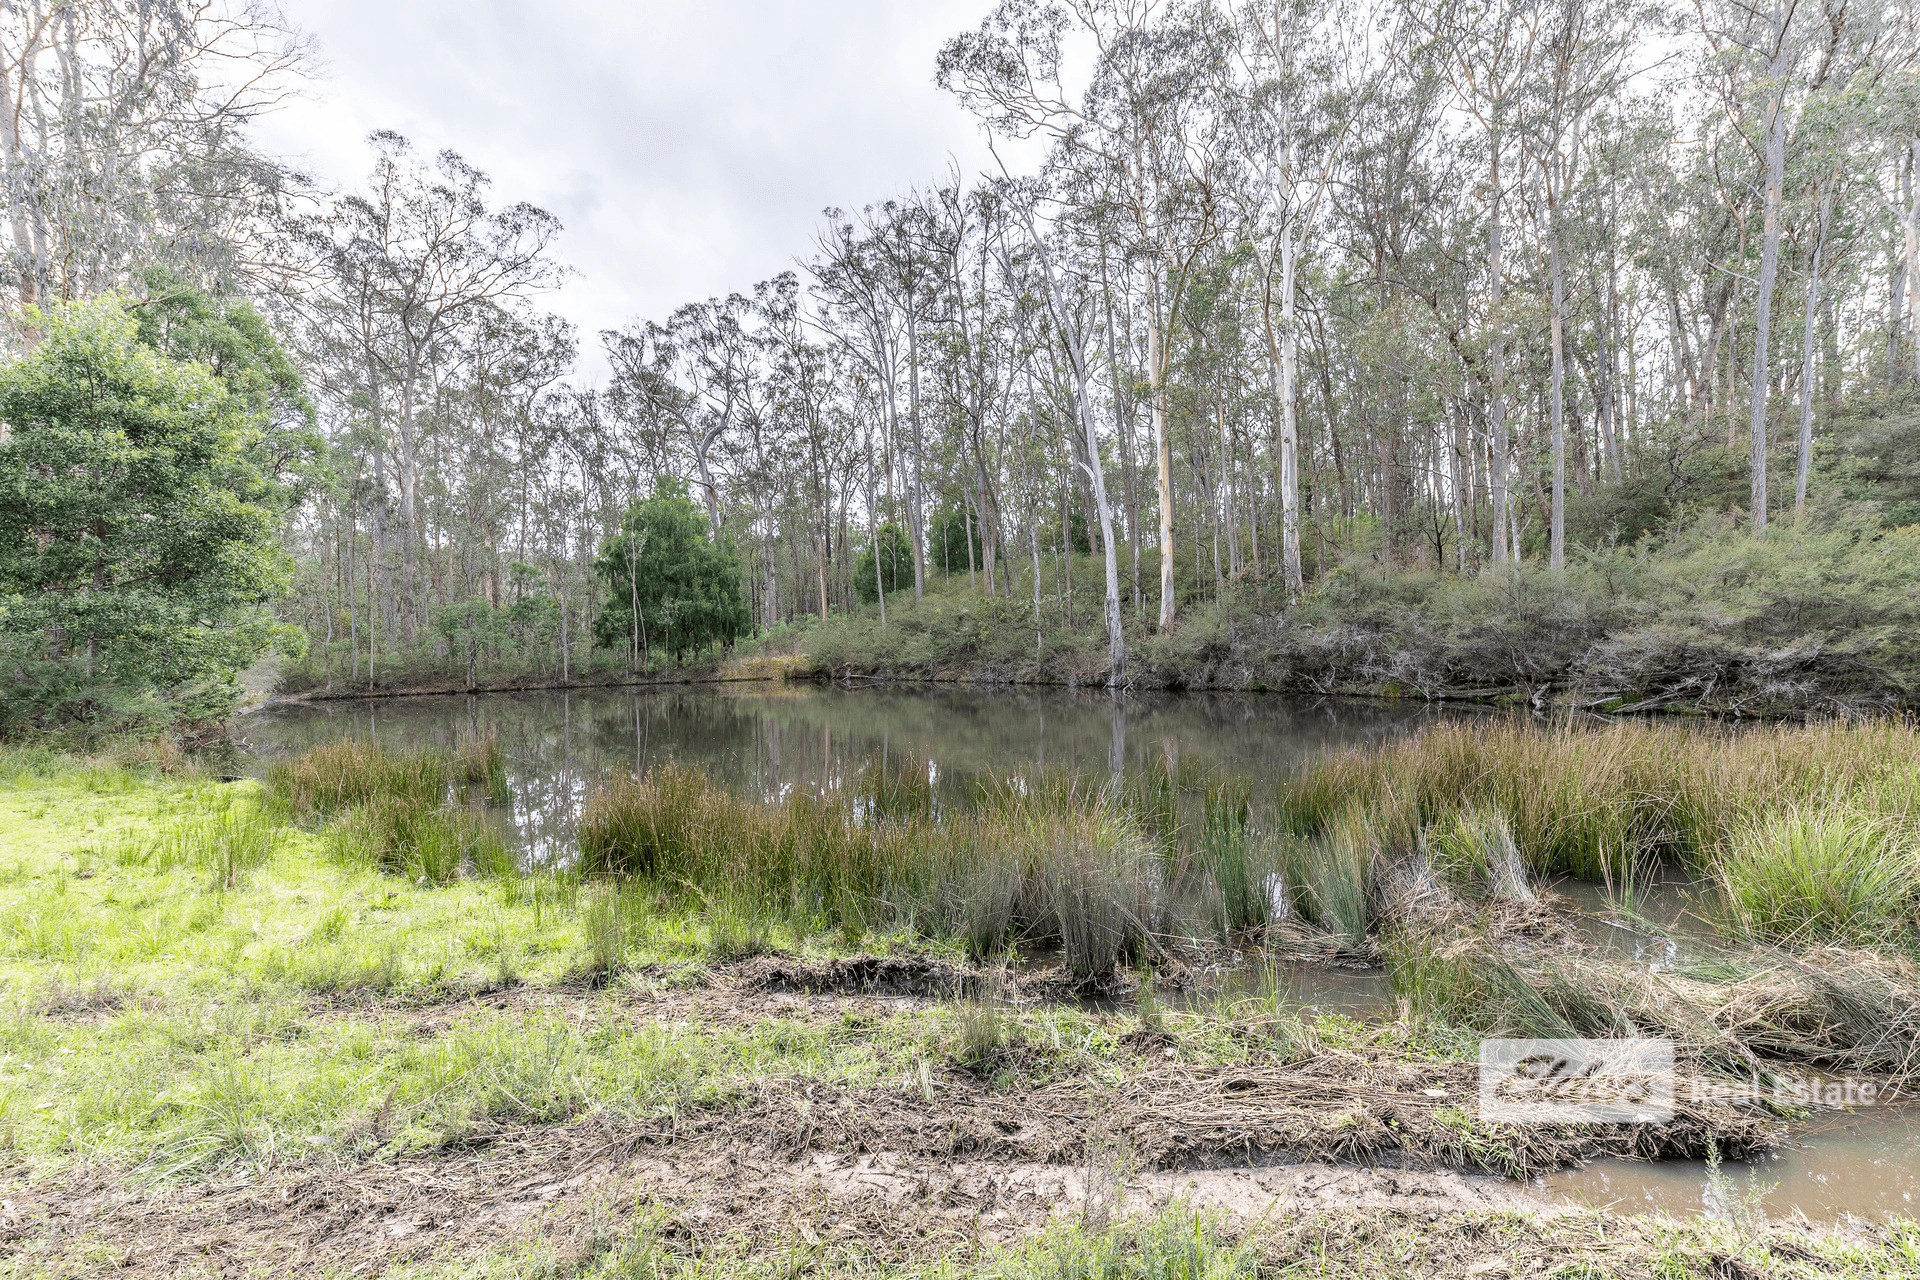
(896, 564)
(947, 537)
(137, 550)
(470, 626)
(688, 586)
(228, 334)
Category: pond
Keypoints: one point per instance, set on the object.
(767, 740)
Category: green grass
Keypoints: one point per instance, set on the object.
(1822, 873)
(192, 987)
(162, 1015)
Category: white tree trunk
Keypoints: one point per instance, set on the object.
(1164, 462)
(1557, 538)
(1289, 423)
(1805, 462)
(1776, 137)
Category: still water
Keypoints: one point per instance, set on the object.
(1864, 1162)
(767, 740)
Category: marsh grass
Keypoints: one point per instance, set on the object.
(1348, 846)
(607, 925)
(1474, 848)
(896, 787)
(338, 776)
(1820, 873)
(481, 762)
(1583, 801)
(397, 812)
(1270, 1015)
(1048, 864)
(1334, 872)
(399, 837)
(1808, 831)
(980, 1034)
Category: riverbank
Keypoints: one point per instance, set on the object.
(241, 1042)
(1819, 619)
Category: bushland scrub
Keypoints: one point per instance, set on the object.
(1819, 617)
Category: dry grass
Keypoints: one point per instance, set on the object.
(1745, 1011)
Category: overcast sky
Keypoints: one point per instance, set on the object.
(688, 147)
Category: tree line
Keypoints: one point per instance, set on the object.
(1422, 284)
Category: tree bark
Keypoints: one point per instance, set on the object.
(1804, 466)
(1776, 141)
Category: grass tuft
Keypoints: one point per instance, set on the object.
(1820, 873)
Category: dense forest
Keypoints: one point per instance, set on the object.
(1429, 345)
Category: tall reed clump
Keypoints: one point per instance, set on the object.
(391, 810)
(1474, 848)
(339, 775)
(1069, 867)
(676, 826)
(1242, 868)
(1821, 873)
(400, 837)
(1605, 804)
(1055, 864)
(481, 762)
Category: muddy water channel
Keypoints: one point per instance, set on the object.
(771, 740)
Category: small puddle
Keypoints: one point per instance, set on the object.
(1865, 1163)
(1665, 924)
(1353, 993)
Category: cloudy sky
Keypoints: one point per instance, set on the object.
(688, 147)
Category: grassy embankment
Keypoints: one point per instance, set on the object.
(344, 975)
(1818, 618)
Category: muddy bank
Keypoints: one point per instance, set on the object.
(907, 1173)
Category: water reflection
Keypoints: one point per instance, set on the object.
(767, 740)
(1665, 923)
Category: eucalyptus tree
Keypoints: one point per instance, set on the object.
(405, 264)
(1487, 54)
(687, 384)
(1140, 131)
(1290, 111)
(122, 144)
(1582, 59)
(1073, 317)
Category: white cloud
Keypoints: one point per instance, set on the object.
(688, 148)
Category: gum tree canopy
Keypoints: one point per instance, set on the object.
(688, 585)
(137, 548)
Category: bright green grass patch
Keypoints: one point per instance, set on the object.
(181, 989)
(1822, 872)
